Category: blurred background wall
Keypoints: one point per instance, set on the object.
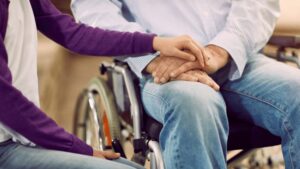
(62, 75)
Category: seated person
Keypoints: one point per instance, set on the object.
(230, 74)
(28, 138)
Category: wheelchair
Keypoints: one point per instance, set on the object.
(109, 112)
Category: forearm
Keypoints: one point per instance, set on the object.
(84, 39)
(248, 27)
(22, 116)
(108, 15)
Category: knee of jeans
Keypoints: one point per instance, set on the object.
(189, 100)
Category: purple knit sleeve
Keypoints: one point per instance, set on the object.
(87, 40)
(21, 115)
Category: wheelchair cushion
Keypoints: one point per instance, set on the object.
(241, 135)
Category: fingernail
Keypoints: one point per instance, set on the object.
(156, 80)
(172, 74)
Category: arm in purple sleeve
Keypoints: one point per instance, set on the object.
(83, 39)
(21, 115)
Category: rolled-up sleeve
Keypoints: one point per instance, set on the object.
(248, 27)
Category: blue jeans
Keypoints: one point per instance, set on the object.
(16, 156)
(194, 116)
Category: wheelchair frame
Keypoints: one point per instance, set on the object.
(141, 142)
(136, 115)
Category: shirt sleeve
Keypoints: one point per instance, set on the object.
(83, 39)
(22, 116)
(109, 15)
(249, 25)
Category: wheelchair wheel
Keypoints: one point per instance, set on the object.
(96, 119)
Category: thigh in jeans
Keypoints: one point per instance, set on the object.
(16, 156)
(268, 95)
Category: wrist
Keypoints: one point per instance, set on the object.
(156, 42)
(221, 56)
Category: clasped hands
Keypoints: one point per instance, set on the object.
(194, 63)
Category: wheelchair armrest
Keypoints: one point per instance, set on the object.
(292, 41)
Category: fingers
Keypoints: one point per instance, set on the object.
(196, 50)
(106, 154)
(184, 68)
(173, 47)
(165, 77)
(184, 55)
(153, 65)
(202, 57)
(202, 77)
(164, 66)
(110, 155)
(186, 77)
(98, 154)
(161, 69)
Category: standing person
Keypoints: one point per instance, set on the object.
(28, 138)
(194, 115)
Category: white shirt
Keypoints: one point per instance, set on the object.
(242, 27)
(21, 45)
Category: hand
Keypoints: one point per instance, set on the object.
(219, 57)
(198, 76)
(182, 47)
(106, 154)
(162, 66)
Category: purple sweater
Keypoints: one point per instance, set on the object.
(21, 115)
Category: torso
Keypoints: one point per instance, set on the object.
(21, 46)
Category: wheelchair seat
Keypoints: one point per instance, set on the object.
(241, 135)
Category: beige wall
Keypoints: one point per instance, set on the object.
(288, 22)
(62, 75)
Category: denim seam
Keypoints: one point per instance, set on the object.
(283, 116)
(286, 128)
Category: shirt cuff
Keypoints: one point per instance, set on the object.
(235, 46)
(81, 147)
(138, 64)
